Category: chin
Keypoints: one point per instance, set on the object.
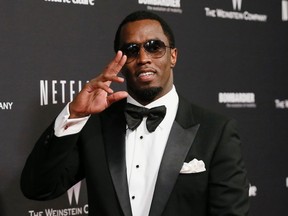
(147, 94)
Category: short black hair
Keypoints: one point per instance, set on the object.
(142, 15)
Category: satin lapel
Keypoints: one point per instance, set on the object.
(180, 140)
(114, 129)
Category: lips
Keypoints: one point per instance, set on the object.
(145, 71)
(146, 75)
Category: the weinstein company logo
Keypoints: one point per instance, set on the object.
(75, 190)
(237, 99)
(285, 10)
(173, 6)
(6, 105)
(78, 210)
(236, 14)
(237, 4)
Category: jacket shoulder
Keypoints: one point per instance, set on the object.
(199, 114)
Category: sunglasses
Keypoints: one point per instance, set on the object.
(154, 48)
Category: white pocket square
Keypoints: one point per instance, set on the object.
(194, 166)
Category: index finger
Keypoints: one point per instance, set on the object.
(115, 66)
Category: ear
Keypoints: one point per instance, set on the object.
(173, 56)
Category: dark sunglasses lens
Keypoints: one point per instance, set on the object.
(131, 50)
(154, 46)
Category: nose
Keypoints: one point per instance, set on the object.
(143, 57)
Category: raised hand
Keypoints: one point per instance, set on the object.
(97, 95)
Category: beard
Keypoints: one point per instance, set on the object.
(146, 95)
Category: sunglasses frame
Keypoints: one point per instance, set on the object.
(159, 44)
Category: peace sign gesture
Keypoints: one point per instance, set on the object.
(97, 95)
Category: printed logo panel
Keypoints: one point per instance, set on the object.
(79, 2)
(59, 91)
(172, 6)
(74, 209)
(236, 13)
(237, 99)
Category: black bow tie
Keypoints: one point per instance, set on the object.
(135, 114)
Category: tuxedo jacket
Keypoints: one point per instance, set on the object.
(97, 153)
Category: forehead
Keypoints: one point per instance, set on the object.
(142, 30)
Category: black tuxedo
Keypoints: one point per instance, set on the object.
(97, 153)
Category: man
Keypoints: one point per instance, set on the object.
(190, 164)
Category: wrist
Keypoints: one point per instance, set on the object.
(75, 114)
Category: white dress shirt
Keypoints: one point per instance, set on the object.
(144, 150)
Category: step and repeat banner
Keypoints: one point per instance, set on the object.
(233, 59)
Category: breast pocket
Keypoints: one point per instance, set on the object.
(192, 183)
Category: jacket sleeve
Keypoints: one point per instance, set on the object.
(53, 166)
(228, 184)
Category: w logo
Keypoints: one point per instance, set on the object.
(284, 10)
(76, 191)
(237, 4)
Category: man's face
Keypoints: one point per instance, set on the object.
(147, 78)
